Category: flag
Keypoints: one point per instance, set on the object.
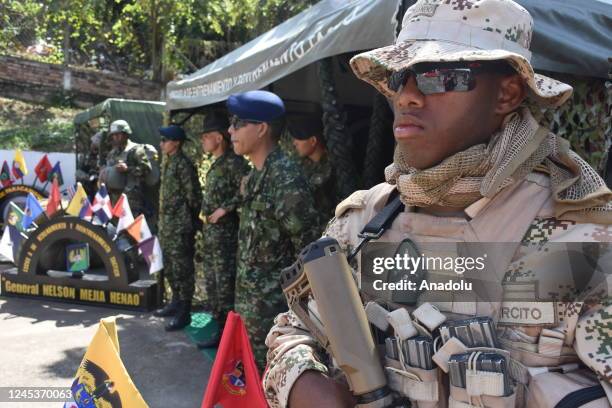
(76, 202)
(56, 172)
(102, 380)
(10, 243)
(123, 212)
(234, 380)
(15, 216)
(86, 210)
(152, 253)
(101, 206)
(19, 165)
(70, 191)
(32, 210)
(54, 198)
(5, 175)
(139, 229)
(43, 168)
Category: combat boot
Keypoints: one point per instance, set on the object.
(182, 318)
(169, 310)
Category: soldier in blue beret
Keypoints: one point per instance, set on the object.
(277, 218)
(180, 198)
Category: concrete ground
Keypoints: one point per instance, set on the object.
(42, 344)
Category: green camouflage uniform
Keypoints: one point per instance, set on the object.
(220, 240)
(139, 166)
(291, 351)
(320, 177)
(180, 198)
(277, 220)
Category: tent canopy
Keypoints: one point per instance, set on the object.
(328, 28)
(571, 36)
(144, 117)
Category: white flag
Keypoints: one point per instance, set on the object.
(123, 212)
(152, 253)
(6, 245)
(157, 262)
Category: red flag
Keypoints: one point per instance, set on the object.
(43, 168)
(5, 175)
(54, 198)
(234, 380)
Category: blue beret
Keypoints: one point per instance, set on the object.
(173, 132)
(261, 106)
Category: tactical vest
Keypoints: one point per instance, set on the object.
(504, 218)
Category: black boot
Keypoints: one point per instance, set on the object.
(169, 310)
(182, 318)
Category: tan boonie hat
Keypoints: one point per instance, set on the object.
(461, 30)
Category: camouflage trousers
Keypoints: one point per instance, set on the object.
(178, 252)
(219, 264)
(258, 302)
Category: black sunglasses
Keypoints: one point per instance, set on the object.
(445, 77)
(238, 123)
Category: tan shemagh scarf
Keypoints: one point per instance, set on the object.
(521, 145)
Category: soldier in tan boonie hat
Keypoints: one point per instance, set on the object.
(471, 164)
(462, 30)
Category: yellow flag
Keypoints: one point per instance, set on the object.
(102, 375)
(19, 165)
(75, 205)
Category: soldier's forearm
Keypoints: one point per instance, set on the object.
(314, 389)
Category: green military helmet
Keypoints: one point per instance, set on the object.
(120, 126)
(113, 179)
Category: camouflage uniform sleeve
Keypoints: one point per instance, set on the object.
(291, 352)
(192, 189)
(239, 169)
(138, 162)
(297, 212)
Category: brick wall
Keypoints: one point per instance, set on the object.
(39, 82)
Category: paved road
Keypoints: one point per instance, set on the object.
(42, 344)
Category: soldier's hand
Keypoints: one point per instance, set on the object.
(121, 167)
(216, 215)
(313, 389)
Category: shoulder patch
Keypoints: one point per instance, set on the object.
(355, 200)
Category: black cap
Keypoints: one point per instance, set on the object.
(304, 126)
(215, 121)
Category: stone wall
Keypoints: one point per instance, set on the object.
(38, 82)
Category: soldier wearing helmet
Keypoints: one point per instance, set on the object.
(127, 165)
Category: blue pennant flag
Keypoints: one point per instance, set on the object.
(32, 210)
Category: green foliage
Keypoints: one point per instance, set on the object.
(53, 136)
(35, 127)
(136, 36)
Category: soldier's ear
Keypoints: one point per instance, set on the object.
(263, 129)
(511, 94)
